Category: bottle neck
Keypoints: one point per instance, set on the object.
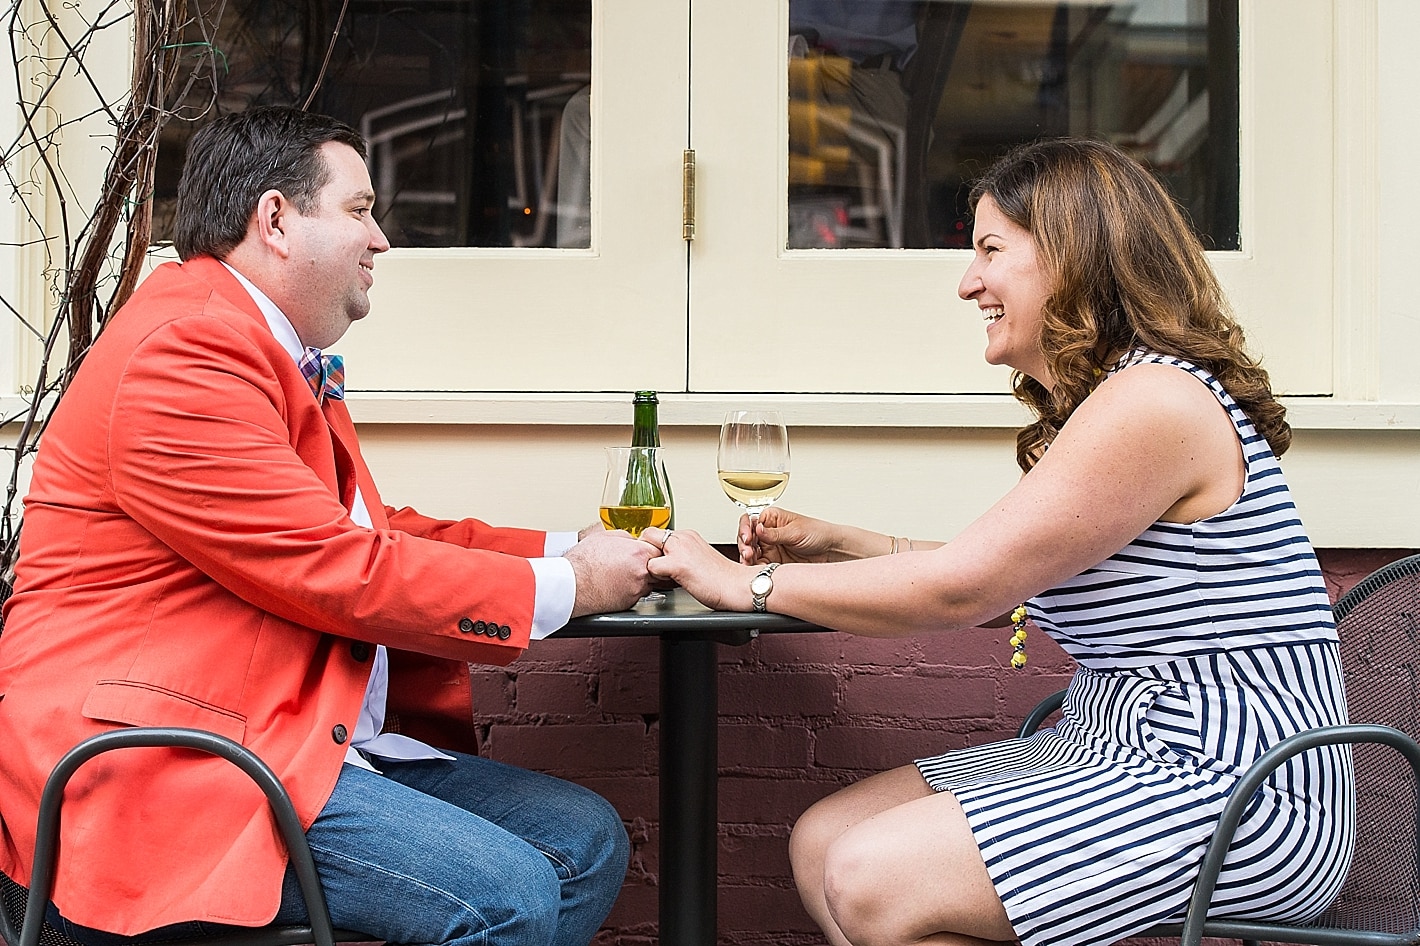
(646, 431)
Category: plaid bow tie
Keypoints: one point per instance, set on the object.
(324, 373)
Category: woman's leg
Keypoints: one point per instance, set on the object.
(887, 861)
(826, 821)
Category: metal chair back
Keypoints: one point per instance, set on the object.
(22, 911)
(22, 920)
(1379, 621)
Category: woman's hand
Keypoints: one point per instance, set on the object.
(783, 536)
(711, 578)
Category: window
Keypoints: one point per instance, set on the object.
(896, 105)
(462, 104)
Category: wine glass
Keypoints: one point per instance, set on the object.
(635, 496)
(754, 459)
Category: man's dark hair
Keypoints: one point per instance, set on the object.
(233, 161)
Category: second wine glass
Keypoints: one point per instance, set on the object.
(754, 459)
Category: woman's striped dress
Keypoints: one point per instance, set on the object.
(1199, 646)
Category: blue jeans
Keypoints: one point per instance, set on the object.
(465, 852)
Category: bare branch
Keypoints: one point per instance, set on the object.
(87, 270)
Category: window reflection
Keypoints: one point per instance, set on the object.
(896, 105)
(463, 104)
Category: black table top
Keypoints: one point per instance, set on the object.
(681, 616)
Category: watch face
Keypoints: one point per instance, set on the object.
(761, 584)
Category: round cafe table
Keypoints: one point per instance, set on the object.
(689, 752)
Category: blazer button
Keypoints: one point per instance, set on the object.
(480, 627)
(360, 651)
(466, 625)
(505, 632)
(339, 734)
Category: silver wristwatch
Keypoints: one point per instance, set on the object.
(761, 585)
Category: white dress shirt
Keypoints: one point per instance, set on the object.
(555, 587)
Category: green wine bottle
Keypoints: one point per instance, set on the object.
(646, 432)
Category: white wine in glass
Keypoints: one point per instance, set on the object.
(753, 488)
(636, 519)
(754, 459)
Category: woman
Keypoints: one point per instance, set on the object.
(1152, 535)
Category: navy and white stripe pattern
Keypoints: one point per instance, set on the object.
(1200, 646)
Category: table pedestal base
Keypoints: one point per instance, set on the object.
(690, 706)
(689, 758)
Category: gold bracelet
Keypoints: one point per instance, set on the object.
(894, 545)
(909, 545)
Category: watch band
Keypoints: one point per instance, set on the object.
(767, 574)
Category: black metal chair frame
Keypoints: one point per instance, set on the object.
(319, 931)
(1196, 925)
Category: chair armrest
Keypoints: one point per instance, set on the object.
(288, 824)
(1252, 780)
(1042, 711)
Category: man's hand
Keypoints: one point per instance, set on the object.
(611, 572)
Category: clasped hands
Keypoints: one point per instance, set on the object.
(613, 570)
(778, 535)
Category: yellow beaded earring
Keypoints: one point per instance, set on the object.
(1018, 639)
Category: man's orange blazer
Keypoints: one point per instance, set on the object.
(188, 559)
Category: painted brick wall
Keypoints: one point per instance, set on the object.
(800, 716)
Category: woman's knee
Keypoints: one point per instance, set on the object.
(814, 830)
(857, 884)
(827, 819)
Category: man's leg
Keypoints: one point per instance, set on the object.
(470, 851)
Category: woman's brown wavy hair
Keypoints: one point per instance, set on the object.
(1127, 271)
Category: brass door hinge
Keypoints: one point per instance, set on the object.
(687, 195)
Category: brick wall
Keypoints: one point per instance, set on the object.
(800, 716)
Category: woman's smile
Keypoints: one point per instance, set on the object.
(1010, 286)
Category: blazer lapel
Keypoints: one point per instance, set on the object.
(350, 468)
(351, 465)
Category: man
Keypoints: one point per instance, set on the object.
(204, 547)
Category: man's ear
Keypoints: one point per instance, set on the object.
(273, 211)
